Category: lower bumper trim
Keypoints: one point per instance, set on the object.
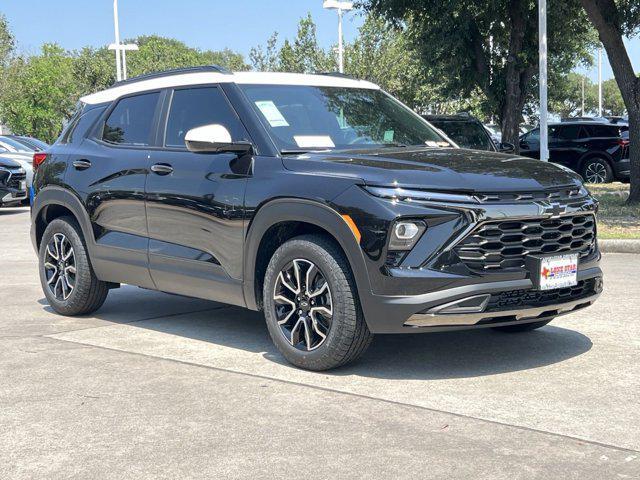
(499, 317)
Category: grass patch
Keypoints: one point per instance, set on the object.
(616, 219)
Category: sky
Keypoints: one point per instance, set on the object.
(206, 24)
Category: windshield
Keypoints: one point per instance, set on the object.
(466, 134)
(17, 146)
(301, 117)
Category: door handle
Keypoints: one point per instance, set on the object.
(81, 164)
(162, 169)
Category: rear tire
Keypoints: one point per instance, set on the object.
(525, 327)
(597, 170)
(67, 277)
(299, 323)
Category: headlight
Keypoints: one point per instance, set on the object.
(419, 195)
(405, 234)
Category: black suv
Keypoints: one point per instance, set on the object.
(597, 151)
(468, 132)
(318, 199)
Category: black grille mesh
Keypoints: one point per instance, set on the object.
(515, 299)
(505, 244)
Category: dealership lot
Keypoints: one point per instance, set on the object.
(160, 386)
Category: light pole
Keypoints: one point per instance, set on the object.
(121, 56)
(600, 81)
(340, 7)
(542, 46)
(116, 27)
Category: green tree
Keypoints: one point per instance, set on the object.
(565, 95)
(490, 46)
(302, 55)
(614, 20)
(7, 41)
(612, 101)
(39, 93)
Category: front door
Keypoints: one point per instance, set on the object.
(195, 202)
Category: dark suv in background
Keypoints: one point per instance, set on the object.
(318, 199)
(597, 151)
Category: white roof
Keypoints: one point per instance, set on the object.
(201, 78)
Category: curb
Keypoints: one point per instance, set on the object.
(619, 246)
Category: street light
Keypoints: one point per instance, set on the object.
(121, 56)
(123, 48)
(542, 51)
(340, 7)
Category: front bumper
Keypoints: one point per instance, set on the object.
(410, 296)
(10, 196)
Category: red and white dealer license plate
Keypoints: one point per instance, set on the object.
(559, 271)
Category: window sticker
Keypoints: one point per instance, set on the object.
(271, 113)
(314, 141)
(388, 135)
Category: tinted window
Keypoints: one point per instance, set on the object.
(466, 134)
(569, 132)
(533, 135)
(131, 121)
(600, 131)
(195, 107)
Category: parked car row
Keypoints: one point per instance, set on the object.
(17, 150)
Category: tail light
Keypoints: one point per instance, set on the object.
(38, 159)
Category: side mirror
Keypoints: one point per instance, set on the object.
(213, 139)
(505, 147)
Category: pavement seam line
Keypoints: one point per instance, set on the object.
(113, 324)
(352, 394)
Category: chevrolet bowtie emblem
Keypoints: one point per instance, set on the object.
(554, 209)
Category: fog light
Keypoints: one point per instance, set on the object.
(405, 234)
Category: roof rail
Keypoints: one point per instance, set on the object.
(336, 74)
(175, 71)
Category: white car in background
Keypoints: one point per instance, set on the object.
(14, 150)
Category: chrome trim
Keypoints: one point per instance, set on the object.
(472, 319)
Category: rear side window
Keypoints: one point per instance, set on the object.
(195, 107)
(569, 132)
(131, 121)
(602, 131)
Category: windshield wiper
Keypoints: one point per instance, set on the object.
(293, 152)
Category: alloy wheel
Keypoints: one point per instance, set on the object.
(303, 304)
(595, 173)
(60, 267)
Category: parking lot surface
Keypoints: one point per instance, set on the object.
(161, 386)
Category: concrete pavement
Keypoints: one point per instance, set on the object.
(160, 386)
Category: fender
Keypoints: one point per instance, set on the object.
(53, 195)
(598, 154)
(307, 211)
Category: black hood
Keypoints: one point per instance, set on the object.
(444, 169)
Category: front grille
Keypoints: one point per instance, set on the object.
(515, 299)
(505, 244)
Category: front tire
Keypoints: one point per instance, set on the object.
(525, 327)
(67, 278)
(311, 305)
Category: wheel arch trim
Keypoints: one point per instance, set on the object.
(53, 195)
(305, 211)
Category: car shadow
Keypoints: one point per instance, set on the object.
(422, 356)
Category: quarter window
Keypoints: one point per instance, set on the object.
(131, 122)
(195, 107)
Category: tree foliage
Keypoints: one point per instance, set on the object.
(39, 92)
(490, 46)
(615, 19)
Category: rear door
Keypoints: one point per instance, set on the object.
(195, 201)
(109, 171)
